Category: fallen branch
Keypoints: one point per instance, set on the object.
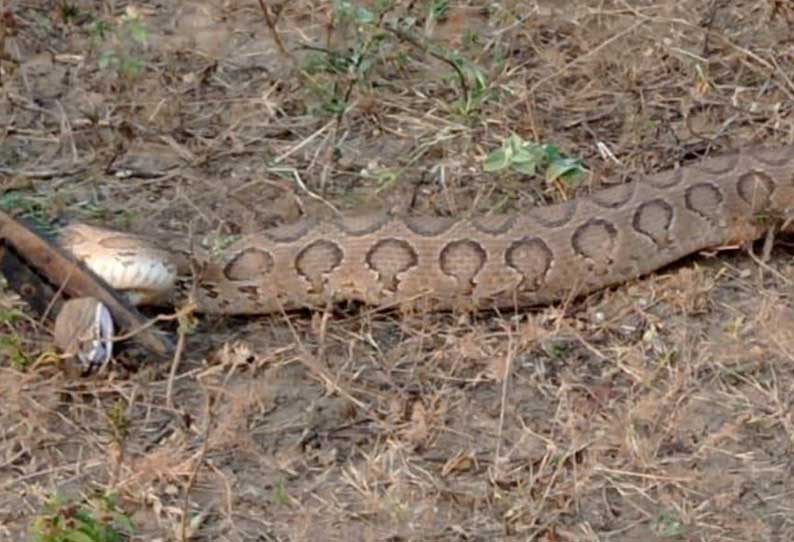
(38, 270)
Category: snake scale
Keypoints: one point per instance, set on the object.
(535, 257)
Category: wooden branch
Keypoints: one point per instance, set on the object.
(38, 269)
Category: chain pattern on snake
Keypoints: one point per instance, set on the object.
(536, 257)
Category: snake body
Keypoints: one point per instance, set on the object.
(536, 257)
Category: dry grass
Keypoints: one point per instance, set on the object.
(656, 411)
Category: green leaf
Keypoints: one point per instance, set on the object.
(101, 29)
(527, 168)
(438, 9)
(522, 155)
(497, 160)
(551, 153)
(515, 143)
(567, 169)
(345, 11)
(131, 67)
(139, 32)
(480, 83)
(124, 522)
(106, 58)
(363, 15)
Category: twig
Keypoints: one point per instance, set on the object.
(188, 308)
(503, 406)
(180, 348)
(43, 173)
(199, 461)
(271, 24)
(196, 273)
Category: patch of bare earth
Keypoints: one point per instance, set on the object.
(659, 410)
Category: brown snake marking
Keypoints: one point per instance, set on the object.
(248, 264)
(705, 199)
(388, 258)
(463, 260)
(654, 219)
(756, 189)
(530, 258)
(595, 241)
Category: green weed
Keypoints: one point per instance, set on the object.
(35, 210)
(69, 12)
(531, 158)
(124, 43)
(97, 520)
(11, 348)
(669, 527)
(369, 41)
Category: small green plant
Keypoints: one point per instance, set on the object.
(69, 11)
(350, 66)
(531, 158)
(97, 520)
(10, 316)
(371, 40)
(437, 10)
(126, 41)
(476, 90)
(471, 38)
(11, 348)
(28, 207)
(669, 527)
(557, 350)
(280, 493)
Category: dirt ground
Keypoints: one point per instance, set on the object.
(658, 410)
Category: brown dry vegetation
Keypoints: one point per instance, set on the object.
(660, 410)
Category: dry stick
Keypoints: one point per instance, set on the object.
(180, 348)
(54, 301)
(199, 460)
(761, 262)
(187, 309)
(66, 131)
(302, 185)
(784, 76)
(294, 172)
(503, 407)
(182, 329)
(228, 493)
(295, 148)
(271, 24)
(707, 22)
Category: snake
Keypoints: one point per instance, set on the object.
(413, 262)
